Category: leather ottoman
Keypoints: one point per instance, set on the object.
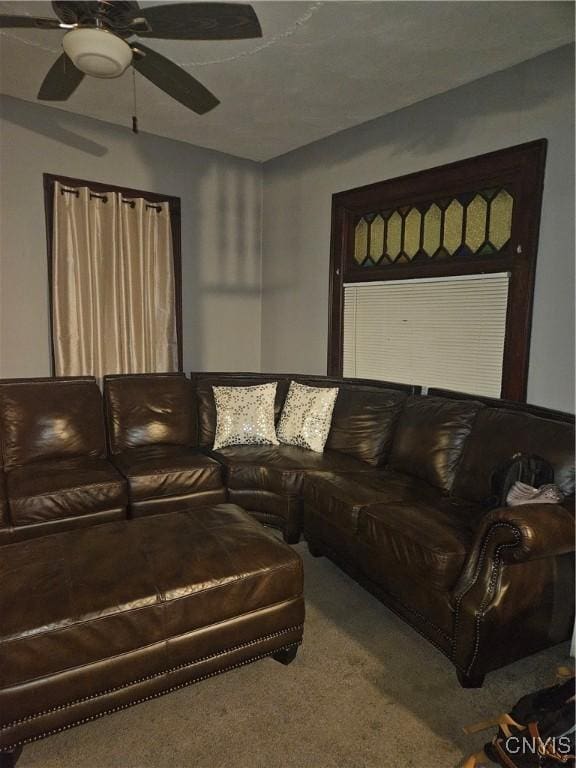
(97, 619)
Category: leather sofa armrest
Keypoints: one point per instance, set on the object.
(519, 566)
(545, 530)
(519, 534)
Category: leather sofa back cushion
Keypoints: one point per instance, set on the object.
(207, 407)
(430, 437)
(498, 434)
(363, 423)
(50, 419)
(154, 409)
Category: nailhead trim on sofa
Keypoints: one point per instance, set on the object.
(155, 695)
(490, 592)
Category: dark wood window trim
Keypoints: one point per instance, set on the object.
(521, 170)
(151, 197)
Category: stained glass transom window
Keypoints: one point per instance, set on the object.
(478, 223)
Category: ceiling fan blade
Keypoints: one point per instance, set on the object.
(173, 80)
(74, 12)
(61, 81)
(112, 14)
(201, 21)
(28, 22)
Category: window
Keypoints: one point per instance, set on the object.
(115, 278)
(441, 332)
(432, 275)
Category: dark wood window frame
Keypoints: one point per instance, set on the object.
(150, 197)
(519, 169)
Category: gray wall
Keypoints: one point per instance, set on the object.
(240, 314)
(530, 101)
(221, 218)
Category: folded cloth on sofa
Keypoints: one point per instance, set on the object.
(522, 493)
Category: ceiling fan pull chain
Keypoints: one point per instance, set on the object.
(135, 115)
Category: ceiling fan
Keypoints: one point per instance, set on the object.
(97, 42)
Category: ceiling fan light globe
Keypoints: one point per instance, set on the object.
(97, 52)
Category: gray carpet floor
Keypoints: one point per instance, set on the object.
(365, 691)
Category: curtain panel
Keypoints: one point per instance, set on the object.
(113, 285)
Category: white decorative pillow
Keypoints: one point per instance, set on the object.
(307, 416)
(245, 415)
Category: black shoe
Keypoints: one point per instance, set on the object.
(532, 707)
(548, 743)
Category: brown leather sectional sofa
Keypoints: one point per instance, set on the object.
(397, 498)
(56, 473)
(94, 620)
(65, 465)
(151, 424)
(107, 611)
(486, 587)
(268, 481)
(73, 458)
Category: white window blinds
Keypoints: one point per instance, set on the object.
(442, 332)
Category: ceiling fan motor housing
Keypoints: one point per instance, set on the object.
(97, 52)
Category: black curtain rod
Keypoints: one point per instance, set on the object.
(131, 203)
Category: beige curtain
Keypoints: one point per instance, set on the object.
(113, 290)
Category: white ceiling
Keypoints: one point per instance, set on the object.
(321, 67)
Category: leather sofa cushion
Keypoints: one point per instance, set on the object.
(44, 419)
(426, 542)
(149, 409)
(341, 498)
(207, 407)
(363, 404)
(162, 470)
(65, 488)
(363, 422)
(498, 434)
(5, 525)
(280, 469)
(103, 592)
(264, 505)
(430, 438)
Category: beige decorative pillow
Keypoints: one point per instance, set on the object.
(307, 416)
(245, 415)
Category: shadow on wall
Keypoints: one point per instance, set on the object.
(221, 270)
(429, 133)
(235, 268)
(25, 115)
(221, 217)
(443, 120)
(437, 130)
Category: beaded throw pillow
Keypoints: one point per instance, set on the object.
(307, 416)
(245, 415)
